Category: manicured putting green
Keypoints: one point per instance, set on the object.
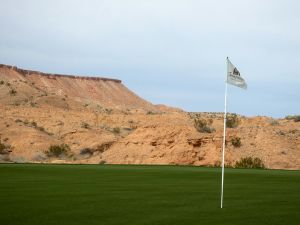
(139, 195)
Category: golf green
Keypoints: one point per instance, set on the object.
(39, 194)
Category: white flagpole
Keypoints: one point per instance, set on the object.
(224, 139)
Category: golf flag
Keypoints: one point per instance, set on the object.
(234, 76)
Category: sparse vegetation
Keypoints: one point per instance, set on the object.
(1, 82)
(13, 92)
(232, 120)
(85, 125)
(249, 162)
(274, 122)
(4, 148)
(58, 151)
(33, 123)
(116, 130)
(150, 113)
(236, 142)
(86, 151)
(103, 147)
(295, 118)
(108, 111)
(204, 126)
(41, 129)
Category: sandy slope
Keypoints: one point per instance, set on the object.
(119, 127)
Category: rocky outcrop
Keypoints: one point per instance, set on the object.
(102, 121)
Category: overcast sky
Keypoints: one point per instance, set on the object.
(171, 52)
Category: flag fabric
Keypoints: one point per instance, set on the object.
(234, 76)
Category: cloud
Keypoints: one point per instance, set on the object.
(175, 48)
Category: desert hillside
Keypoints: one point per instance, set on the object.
(99, 120)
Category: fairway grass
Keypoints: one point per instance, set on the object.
(37, 194)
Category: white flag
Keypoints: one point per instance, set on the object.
(234, 76)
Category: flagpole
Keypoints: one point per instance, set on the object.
(224, 139)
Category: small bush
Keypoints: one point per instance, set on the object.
(58, 150)
(85, 125)
(202, 126)
(4, 148)
(236, 142)
(41, 129)
(150, 113)
(249, 162)
(102, 162)
(274, 122)
(86, 151)
(33, 123)
(116, 130)
(296, 118)
(108, 111)
(13, 92)
(232, 120)
(103, 147)
(1, 82)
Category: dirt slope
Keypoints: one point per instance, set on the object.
(104, 122)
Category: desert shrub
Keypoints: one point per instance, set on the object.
(296, 118)
(85, 125)
(32, 104)
(12, 92)
(274, 122)
(86, 151)
(18, 121)
(103, 147)
(58, 150)
(41, 129)
(282, 133)
(8, 84)
(202, 126)
(1, 82)
(33, 123)
(249, 162)
(150, 113)
(232, 120)
(236, 142)
(108, 111)
(4, 148)
(116, 130)
(102, 162)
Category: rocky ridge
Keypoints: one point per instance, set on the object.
(102, 121)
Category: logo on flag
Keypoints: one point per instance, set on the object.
(234, 76)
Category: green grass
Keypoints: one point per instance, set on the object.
(139, 195)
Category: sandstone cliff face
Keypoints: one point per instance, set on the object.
(106, 92)
(104, 122)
